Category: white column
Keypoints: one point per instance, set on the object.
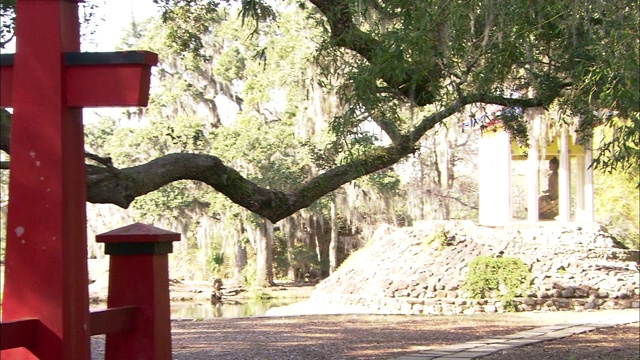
(580, 193)
(533, 187)
(588, 185)
(564, 178)
(505, 148)
(495, 178)
(485, 187)
(533, 165)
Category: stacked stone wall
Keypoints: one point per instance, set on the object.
(422, 270)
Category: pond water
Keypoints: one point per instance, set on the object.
(206, 310)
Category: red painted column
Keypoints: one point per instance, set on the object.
(46, 267)
(139, 276)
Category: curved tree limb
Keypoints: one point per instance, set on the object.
(121, 186)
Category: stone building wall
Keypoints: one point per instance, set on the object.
(422, 269)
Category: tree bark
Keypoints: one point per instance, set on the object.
(269, 261)
(240, 256)
(264, 254)
(333, 245)
(261, 257)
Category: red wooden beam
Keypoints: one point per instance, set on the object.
(95, 79)
(19, 333)
(112, 320)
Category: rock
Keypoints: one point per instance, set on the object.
(543, 295)
(568, 293)
(489, 309)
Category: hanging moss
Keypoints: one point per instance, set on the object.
(502, 277)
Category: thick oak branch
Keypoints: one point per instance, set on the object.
(122, 186)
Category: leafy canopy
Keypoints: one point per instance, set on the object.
(407, 65)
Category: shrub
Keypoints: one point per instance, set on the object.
(505, 277)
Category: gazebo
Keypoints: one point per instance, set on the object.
(497, 150)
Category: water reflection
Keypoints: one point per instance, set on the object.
(206, 310)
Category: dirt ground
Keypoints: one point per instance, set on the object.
(355, 337)
(334, 337)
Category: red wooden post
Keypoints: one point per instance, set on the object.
(139, 276)
(46, 267)
(46, 82)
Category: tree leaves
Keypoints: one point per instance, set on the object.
(8, 16)
(388, 61)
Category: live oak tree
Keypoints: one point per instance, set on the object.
(390, 60)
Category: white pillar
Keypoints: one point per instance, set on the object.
(495, 177)
(484, 174)
(564, 178)
(580, 194)
(533, 188)
(588, 185)
(533, 165)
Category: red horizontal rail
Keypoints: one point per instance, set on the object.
(112, 320)
(19, 333)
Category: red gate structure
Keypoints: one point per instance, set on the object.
(45, 310)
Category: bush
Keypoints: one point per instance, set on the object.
(505, 277)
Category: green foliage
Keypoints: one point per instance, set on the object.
(97, 134)
(166, 202)
(304, 258)
(384, 181)
(265, 152)
(280, 255)
(406, 60)
(187, 20)
(249, 274)
(516, 125)
(617, 205)
(505, 277)
(185, 264)
(217, 261)
(619, 146)
(230, 65)
(7, 19)
(439, 237)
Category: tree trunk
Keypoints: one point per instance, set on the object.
(323, 239)
(240, 256)
(261, 257)
(264, 254)
(333, 245)
(268, 225)
(288, 229)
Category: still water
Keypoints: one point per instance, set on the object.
(206, 310)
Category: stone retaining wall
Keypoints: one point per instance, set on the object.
(421, 270)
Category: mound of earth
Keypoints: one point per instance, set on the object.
(423, 269)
